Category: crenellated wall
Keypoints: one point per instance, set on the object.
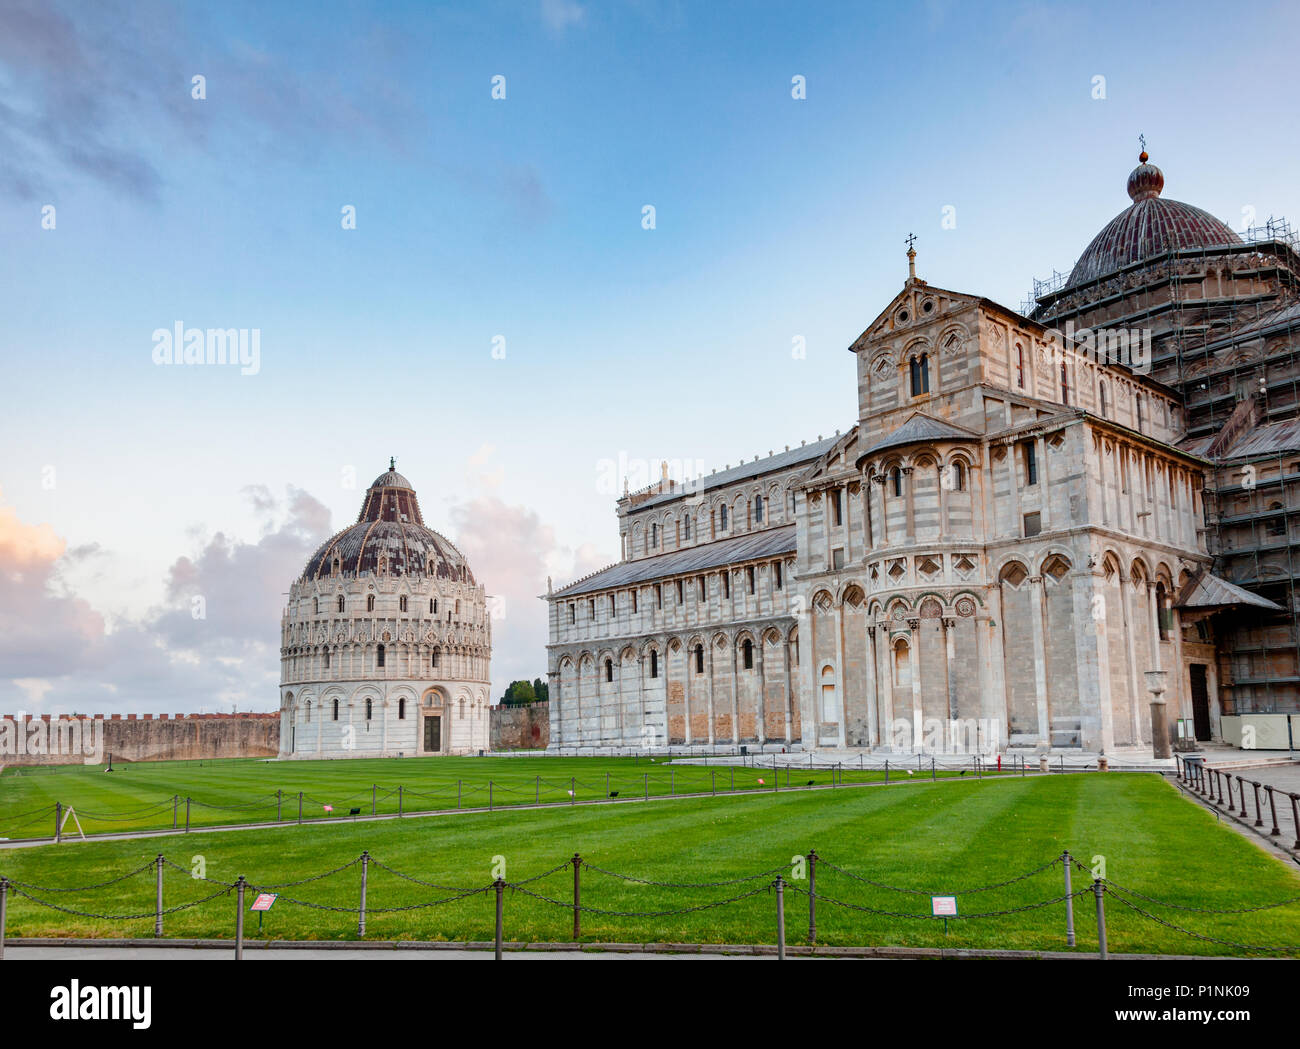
(46, 740)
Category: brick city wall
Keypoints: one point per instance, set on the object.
(137, 737)
(520, 728)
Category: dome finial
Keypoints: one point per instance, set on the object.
(392, 464)
(911, 256)
(1146, 180)
(1142, 157)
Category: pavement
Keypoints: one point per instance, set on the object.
(1283, 778)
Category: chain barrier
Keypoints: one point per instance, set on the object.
(1197, 935)
(568, 905)
(1111, 886)
(86, 888)
(823, 862)
(689, 884)
(225, 891)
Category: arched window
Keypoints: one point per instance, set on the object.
(340, 602)
(315, 605)
(327, 659)
(335, 567)
(758, 509)
(1164, 615)
(1065, 384)
(920, 374)
(1139, 413)
(898, 480)
(380, 661)
(433, 659)
(748, 654)
(686, 527)
(654, 663)
(401, 603)
(336, 710)
(1101, 397)
(699, 659)
(609, 670)
(957, 475)
(309, 711)
(1020, 366)
(370, 602)
(723, 516)
(654, 535)
(460, 712)
(369, 707)
(401, 708)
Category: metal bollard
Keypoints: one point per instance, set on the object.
(239, 918)
(361, 914)
(1272, 808)
(1099, 891)
(1069, 901)
(279, 804)
(1295, 818)
(158, 910)
(399, 802)
(1259, 819)
(780, 918)
(58, 822)
(299, 809)
(577, 896)
(500, 887)
(812, 895)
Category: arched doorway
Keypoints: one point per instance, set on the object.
(433, 731)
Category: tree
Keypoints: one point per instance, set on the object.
(518, 694)
(542, 690)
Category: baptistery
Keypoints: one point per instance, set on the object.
(386, 640)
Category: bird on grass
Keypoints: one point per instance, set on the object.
(910, 772)
(613, 794)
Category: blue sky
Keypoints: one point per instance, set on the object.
(519, 218)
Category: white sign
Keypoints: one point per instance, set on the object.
(943, 906)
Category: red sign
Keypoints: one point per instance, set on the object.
(264, 901)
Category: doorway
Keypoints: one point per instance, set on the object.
(1200, 702)
(433, 734)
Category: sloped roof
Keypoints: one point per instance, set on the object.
(1209, 591)
(770, 542)
(743, 472)
(920, 428)
(1269, 439)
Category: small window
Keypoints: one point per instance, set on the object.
(340, 602)
(370, 602)
(1101, 398)
(1065, 384)
(369, 707)
(699, 659)
(433, 606)
(401, 708)
(758, 509)
(837, 558)
(1140, 420)
(336, 710)
(633, 602)
(1164, 614)
(573, 613)
(654, 536)
(777, 569)
(686, 527)
(309, 711)
(654, 663)
(1031, 462)
(381, 656)
(681, 598)
(1033, 524)
(703, 595)
(1020, 366)
(433, 659)
(315, 605)
(920, 374)
(748, 650)
(957, 475)
(726, 585)
(837, 507)
(613, 608)
(749, 579)
(401, 603)
(723, 516)
(327, 659)
(609, 670)
(659, 595)
(897, 475)
(591, 608)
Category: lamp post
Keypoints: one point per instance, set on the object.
(1156, 684)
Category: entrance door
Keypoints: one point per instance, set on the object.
(432, 735)
(1200, 702)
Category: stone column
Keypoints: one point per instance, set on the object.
(914, 660)
(789, 692)
(1013, 495)
(1044, 489)
(735, 685)
(1130, 652)
(843, 711)
(885, 654)
(949, 626)
(686, 699)
(873, 713)
(711, 682)
(762, 692)
(910, 503)
(1040, 660)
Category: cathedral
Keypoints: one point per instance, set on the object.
(386, 640)
(1034, 512)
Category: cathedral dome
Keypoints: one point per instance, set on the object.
(389, 538)
(1149, 227)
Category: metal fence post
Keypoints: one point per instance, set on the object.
(58, 822)
(647, 786)
(812, 895)
(279, 804)
(239, 918)
(573, 790)
(1241, 795)
(399, 801)
(361, 914)
(4, 904)
(489, 795)
(1069, 901)
(500, 887)
(932, 773)
(780, 918)
(1295, 818)
(577, 896)
(1259, 819)
(299, 808)
(607, 784)
(187, 815)
(158, 910)
(458, 794)
(1099, 891)
(886, 772)
(1272, 808)
(176, 804)
(374, 799)
(537, 791)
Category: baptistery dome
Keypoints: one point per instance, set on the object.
(386, 640)
(1151, 226)
(389, 537)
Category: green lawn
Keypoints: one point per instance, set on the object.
(944, 837)
(140, 796)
